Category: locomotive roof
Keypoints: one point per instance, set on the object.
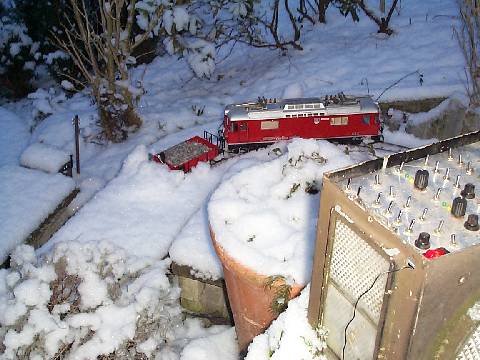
(277, 109)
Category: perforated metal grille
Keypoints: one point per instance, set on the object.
(471, 349)
(354, 266)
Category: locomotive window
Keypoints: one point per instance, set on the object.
(309, 106)
(233, 127)
(299, 107)
(269, 125)
(366, 119)
(316, 106)
(339, 120)
(242, 127)
(290, 107)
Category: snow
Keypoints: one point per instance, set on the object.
(149, 212)
(263, 216)
(194, 238)
(220, 346)
(139, 296)
(58, 54)
(181, 18)
(294, 90)
(474, 312)
(143, 208)
(45, 102)
(201, 58)
(67, 85)
(452, 101)
(27, 198)
(14, 137)
(44, 157)
(290, 336)
(404, 139)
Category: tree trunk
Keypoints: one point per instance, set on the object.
(322, 10)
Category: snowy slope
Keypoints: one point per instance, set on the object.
(27, 198)
(143, 208)
(14, 137)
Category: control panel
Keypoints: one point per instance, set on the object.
(431, 203)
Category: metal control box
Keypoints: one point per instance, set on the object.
(396, 265)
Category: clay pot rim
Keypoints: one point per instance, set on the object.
(250, 275)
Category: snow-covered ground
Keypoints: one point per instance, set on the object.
(290, 336)
(27, 198)
(145, 211)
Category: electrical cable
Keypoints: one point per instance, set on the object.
(360, 297)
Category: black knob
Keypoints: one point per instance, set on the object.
(459, 206)
(472, 222)
(468, 191)
(423, 241)
(421, 179)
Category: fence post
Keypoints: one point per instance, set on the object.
(76, 123)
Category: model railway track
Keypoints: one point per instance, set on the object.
(376, 147)
(401, 147)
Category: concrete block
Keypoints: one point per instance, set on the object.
(201, 297)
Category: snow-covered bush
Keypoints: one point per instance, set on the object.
(18, 55)
(85, 301)
(27, 55)
(44, 102)
(201, 58)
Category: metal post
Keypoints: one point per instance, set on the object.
(76, 123)
(382, 6)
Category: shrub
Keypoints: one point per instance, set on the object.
(85, 301)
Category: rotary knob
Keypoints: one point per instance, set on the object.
(421, 179)
(423, 241)
(459, 207)
(472, 223)
(468, 191)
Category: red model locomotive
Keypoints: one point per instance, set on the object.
(256, 124)
(334, 117)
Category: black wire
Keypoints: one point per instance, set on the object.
(358, 300)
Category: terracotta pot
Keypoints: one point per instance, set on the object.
(249, 300)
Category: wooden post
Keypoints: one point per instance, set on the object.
(382, 6)
(70, 167)
(76, 123)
